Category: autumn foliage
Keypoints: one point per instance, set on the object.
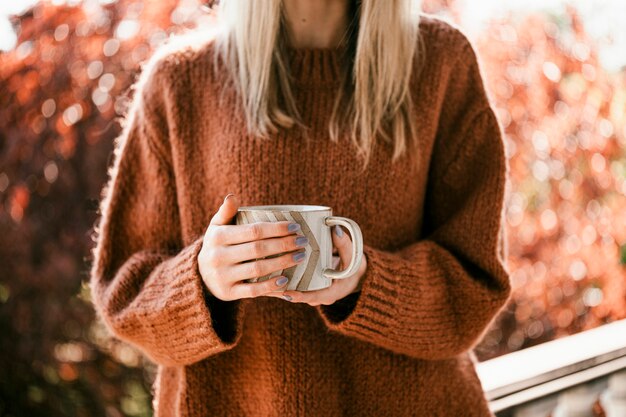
(65, 84)
(565, 123)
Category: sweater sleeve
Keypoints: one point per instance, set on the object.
(145, 282)
(435, 298)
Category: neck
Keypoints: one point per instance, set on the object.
(316, 23)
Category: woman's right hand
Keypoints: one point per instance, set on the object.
(227, 247)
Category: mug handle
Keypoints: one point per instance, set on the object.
(357, 247)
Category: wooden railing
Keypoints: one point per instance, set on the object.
(565, 377)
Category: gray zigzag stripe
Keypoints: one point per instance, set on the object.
(313, 257)
(288, 272)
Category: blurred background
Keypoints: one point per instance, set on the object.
(555, 70)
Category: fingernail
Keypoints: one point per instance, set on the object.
(299, 256)
(293, 227)
(228, 195)
(338, 230)
(301, 240)
(286, 297)
(282, 281)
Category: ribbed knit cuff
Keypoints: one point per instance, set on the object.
(191, 324)
(370, 312)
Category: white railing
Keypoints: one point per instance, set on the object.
(561, 378)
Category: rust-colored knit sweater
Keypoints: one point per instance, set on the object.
(434, 244)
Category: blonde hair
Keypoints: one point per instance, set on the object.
(374, 96)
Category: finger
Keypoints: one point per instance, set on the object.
(256, 289)
(227, 210)
(326, 295)
(343, 244)
(258, 268)
(241, 233)
(233, 254)
(278, 293)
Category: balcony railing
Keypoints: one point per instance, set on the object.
(564, 377)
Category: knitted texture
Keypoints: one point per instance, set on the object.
(433, 240)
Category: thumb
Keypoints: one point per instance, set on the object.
(343, 243)
(227, 210)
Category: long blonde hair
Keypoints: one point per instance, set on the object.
(374, 96)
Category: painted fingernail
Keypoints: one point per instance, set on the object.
(302, 241)
(282, 281)
(299, 256)
(286, 297)
(293, 227)
(338, 230)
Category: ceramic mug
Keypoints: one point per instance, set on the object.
(316, 270)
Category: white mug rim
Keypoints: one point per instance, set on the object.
(286, 207)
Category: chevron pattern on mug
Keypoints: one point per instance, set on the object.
(309, 274)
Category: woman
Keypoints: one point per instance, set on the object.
(348, 104)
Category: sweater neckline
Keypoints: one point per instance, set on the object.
(315, 65)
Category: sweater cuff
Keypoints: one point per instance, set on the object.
(370, 312)
(225, 316)
(199, 324)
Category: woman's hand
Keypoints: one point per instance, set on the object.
(227, 248)
(339, 288)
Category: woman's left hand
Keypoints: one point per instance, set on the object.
(339, 288)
